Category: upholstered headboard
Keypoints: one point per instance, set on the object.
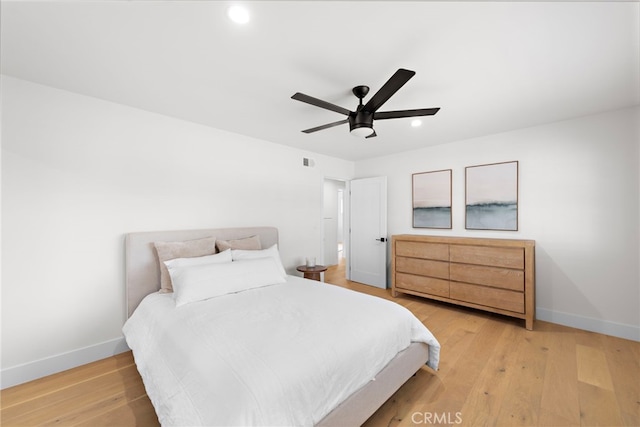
(141, 263)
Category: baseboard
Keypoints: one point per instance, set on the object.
(61, 362)
(621, 330)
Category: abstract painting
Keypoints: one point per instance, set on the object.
(432, 199)
(492, 196)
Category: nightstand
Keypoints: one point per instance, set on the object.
(312, 273)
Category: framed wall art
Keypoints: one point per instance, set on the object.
(491, 193)
(432, 199)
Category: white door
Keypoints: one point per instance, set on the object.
(368, 237)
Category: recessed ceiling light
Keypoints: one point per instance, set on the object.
(416, 123)
(238, 14)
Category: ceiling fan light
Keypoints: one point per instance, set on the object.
(362, 131)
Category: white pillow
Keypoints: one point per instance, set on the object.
(219, 258)
(200, 282)
(272, 252)
(172, 250)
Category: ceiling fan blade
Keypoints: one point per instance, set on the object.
(405, 113)
(320, 103)
(374, 134)
(327, 126)
(388, 89)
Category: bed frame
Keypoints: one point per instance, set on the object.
(143, 278)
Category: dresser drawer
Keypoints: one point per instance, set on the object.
(423, 267)
(491, 276)
(435, 251)
(490, 297)
(496, 275)
(427, 285)
(483, 255)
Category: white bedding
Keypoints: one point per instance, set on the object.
(281, 355)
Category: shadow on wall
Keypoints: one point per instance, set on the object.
(555, 288)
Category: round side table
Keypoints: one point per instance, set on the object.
(312, 273)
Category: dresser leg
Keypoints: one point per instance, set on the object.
(528, 322)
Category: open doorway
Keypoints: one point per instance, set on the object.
(333, 217)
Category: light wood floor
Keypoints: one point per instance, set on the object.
(492, 372)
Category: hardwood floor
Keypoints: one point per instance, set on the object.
(492, 372)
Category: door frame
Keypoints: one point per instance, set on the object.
(346, 224)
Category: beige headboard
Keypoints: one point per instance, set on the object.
(141, 263)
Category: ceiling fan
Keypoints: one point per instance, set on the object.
(361, 120)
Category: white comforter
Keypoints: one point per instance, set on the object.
(281, 355)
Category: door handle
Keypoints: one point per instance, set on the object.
(382, 239)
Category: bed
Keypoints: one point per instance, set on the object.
(291, 352)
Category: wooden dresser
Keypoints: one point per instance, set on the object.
(496, 275)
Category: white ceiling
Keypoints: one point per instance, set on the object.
(490, 66)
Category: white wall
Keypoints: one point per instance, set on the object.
(578, 198)
(78, 173)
